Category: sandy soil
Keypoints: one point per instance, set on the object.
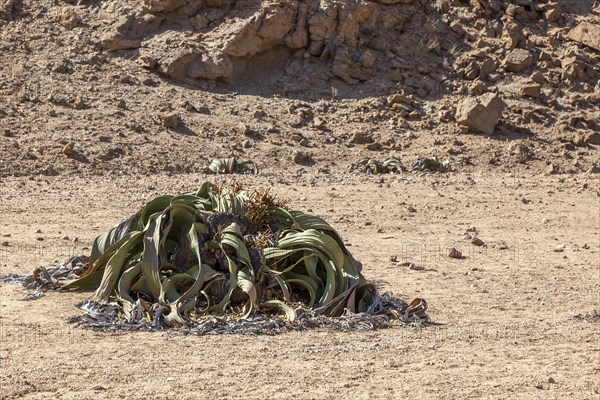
(505, 320)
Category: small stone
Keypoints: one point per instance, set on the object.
(318, 123)
(5, 243)
(296, 137)
(488, 67)
(243, 129)
(361, 138)
(531, 89)
(552, 169)
(593, 138)
(477, 88)
(79, 104)
(416, 267)
(539, 385)
(471, 71)
(538, 77)
(68, 149)
(579, 140)
(38, 231)
(457, 27)
(399, 98)
(374, 146)
(170, 120)
(518, 60)
(560, 248)
(65, 238)
(472, 229)
(551, 380)
(149, 82)
(98, 387)
(477, 241)
(121, 104)
(481, 114)
(39, 238)
(67, 18)
(545, 56)
(454, 253)
(7, 235)
(260, 114)
(300, 157)
(553, 11)
(520, 152)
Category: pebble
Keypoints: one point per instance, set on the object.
(477, 241)
(244, 129)
(170, 120)
(68, 149)
(300, 157)
(361, 138)
(65, 238)
(454, 253)
(5, 243)
(318, 123)
(416, 267)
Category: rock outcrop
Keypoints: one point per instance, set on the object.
(213, 40)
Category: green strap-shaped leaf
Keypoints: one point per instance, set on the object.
(289, 311)
(153, 207)
(306, 282)
(114, 267)
(150, 261)
(245, 283)
(124, 285)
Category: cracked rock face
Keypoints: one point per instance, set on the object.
(218, 40)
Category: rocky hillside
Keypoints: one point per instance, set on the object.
(133, 86)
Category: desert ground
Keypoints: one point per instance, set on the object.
(106, 105)
(515, 323)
